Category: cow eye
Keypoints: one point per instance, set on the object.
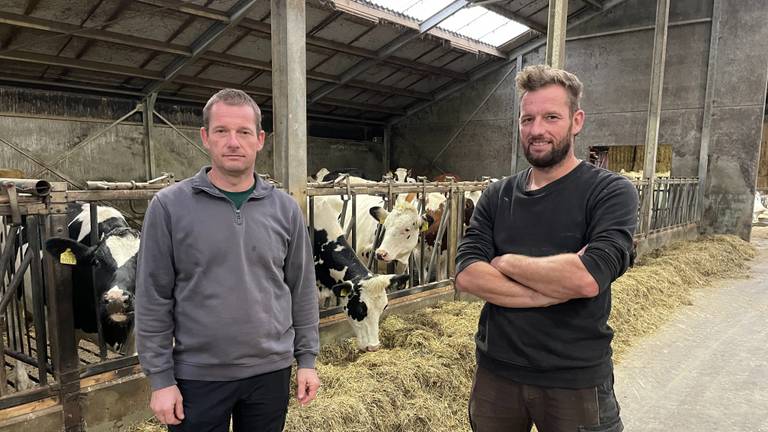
(407, 230)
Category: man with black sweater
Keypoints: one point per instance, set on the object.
(542, 249)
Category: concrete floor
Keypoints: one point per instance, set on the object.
(707, 369)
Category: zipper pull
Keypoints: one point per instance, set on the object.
(238, 219)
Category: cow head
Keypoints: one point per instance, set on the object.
(366, 301)
(114, 259)
(401, 231)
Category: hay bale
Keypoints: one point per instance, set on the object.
(420, 380)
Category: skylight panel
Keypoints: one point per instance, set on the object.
(474, 22)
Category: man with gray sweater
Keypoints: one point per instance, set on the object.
(226, 294)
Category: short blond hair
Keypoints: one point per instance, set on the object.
(535, 77)
(232, 97)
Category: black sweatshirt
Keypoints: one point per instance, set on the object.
(566, 345)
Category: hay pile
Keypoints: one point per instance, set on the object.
(421, 378)
(418, 381)
(664, 280)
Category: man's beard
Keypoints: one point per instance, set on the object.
(555, 156)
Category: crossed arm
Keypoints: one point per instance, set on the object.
(520, 281)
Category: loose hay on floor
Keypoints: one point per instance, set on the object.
(420, 379)
(664, 280)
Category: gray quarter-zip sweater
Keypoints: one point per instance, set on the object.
(224, 294)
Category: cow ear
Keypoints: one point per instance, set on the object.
(342, 289)
(399, 282)
(428, 219)
(57, 246)
(379, 213)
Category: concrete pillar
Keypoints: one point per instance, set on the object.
(149, 149)
(706, 127)
(654, 109)
(516, 122)
(556, 25)
(289, 96)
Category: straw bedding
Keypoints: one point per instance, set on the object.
(420, 379)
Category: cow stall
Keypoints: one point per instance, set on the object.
(53, 368)
(49, 378)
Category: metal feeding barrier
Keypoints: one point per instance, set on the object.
(38, 340)
(424, 271)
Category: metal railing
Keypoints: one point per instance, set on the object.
(429, 267)
(674, 203)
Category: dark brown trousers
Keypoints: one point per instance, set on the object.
(498, 404)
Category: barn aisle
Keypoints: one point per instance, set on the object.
(706, 369)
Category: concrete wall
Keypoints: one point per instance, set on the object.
(616, 71)
(483, 147)
(47, 124)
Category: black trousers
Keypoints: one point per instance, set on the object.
(499, 404)
(258, 403)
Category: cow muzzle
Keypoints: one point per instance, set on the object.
(383, 255)
(372, 348)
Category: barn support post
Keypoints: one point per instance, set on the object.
(387, 153)
(654, 110)
(95, 235)
(457, 210)
(41, 336)
(289, 97)
(709, 98)
(556, 25)
(58, 282)
(516, 122)
(149, 145)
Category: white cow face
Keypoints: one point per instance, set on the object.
(366, 301)
(401, 234)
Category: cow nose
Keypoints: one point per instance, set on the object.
(381, 254)
(372, 348)
(114, 306)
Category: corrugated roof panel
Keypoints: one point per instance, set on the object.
(253, 47)
(474, 22)
(338, 64)
(341, 30)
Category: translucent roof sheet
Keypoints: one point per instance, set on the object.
(475, 22)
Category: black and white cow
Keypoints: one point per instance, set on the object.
(114, 260)
(340, 273)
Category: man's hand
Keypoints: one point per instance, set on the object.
(166, 404)
(307, 384)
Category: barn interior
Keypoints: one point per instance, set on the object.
(113, 90)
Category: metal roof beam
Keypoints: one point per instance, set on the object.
(245, 62)
(445, 13)
(45, 59)
(169, 48)
(363, 66)
(594, 4)
(189, 9)
(203, 43)
(92, 33)
(389, 49)
(266, 29)
(81, 86)
(514, 16)
(459, 42)
(511, 58)
(363, 106)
